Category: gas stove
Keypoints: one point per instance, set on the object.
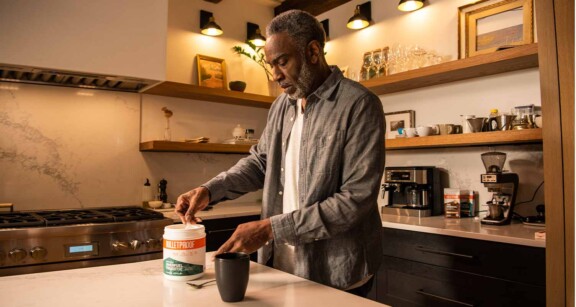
(49, 240)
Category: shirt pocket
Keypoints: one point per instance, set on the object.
(327, 152)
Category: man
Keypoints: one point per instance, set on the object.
(319, 160)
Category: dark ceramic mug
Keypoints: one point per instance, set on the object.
(232, 272)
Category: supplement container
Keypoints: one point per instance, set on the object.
(184, 252)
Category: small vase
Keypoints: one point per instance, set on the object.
(274, 89)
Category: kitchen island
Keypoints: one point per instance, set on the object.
(142, 284)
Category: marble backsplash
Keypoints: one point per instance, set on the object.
(75, 148)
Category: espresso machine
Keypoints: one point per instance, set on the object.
(412, 191)
(503, 185)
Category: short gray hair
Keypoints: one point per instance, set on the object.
(301, 26)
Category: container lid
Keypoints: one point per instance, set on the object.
(184, 229)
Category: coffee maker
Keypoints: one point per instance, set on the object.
(412, 191)
(503, 185)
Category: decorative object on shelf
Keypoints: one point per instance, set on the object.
(200, 139)
(410, 5)
(249, 134)
(361, 18)
(238, 86)
(399, 119)
(167, 131)
(208, 25)
(487, 26)
(211, 72)
(254, 35)
(255, 54)
(238, 132)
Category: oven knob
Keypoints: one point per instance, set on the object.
(152, 243)
(17, 254)
(135, 244)
(38, 253)
(120, 246)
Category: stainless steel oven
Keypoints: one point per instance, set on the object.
(40, 241)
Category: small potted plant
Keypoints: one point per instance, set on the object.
(257, 55)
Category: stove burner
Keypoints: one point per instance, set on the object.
(19, 219)
(54, 218)
(131, 214)
(76, 216)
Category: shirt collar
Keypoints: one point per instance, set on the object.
(325, 90)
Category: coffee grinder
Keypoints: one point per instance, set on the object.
(503, 186)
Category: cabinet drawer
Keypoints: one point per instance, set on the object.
(408, 283)
(508, 261)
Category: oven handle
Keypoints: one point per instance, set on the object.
(421, 291)
(443, 253)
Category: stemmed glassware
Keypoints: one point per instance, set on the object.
(377, 61)
(367, 64)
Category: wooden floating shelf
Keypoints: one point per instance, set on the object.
(454, 140)
(167, 146)
(517, 58)
(468, 139)
(189, 91)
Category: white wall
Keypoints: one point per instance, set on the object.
(59, 149)
(435, 27)
(125, 38)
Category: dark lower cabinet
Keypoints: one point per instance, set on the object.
(219, 231)
(420, 269)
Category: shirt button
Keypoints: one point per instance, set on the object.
(291, 119)
(281, 169)
(280, 192)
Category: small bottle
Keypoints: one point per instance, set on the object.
(147, 194)
(249, 134)
(493, 124)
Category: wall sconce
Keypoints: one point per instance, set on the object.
(410, 5)
(326, 25)
(254, 36)
(362, 17)
(207, 24)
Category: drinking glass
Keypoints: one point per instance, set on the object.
(367, 63)
(377, 61)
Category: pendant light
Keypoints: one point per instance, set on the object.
(208, 25)
(361, 18)
(410, 5)
(254, 36)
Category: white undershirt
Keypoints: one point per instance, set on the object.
(292, 162)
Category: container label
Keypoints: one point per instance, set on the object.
(184, 244)
(184, 257)
(174, 267)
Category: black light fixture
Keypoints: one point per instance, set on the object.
(326, 25)
(362, 17)
(207, 24)
(254, 35)
(410, 5)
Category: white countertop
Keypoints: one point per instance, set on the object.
(142, 284)
(221, 210)
(515, 233)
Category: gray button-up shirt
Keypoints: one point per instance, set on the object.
(337, 230)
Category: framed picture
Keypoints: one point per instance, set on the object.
(489, 25)
(400, 119)
(211, 72)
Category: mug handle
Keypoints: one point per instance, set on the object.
(450, 129)
(435, 129)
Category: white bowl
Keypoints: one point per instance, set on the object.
(538, 121)
(155, 204)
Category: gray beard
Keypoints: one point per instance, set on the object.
(304, 82)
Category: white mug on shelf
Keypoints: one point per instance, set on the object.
(411, 132)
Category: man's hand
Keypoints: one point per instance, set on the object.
(248, 237)
(191, 202)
